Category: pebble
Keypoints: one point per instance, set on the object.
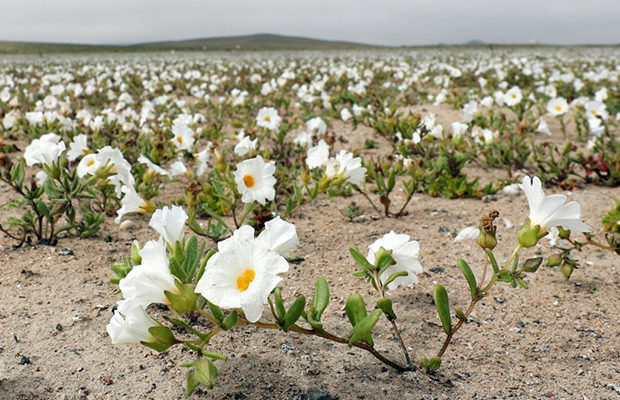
(287, 348)
(316, 394)
(126, 225)
(24, 360)
(66, 251)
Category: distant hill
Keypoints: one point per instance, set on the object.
(475, 42)
(263, 41)
(248, 42)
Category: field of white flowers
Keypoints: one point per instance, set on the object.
(439, 223)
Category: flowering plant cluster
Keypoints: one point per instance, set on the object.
(221, 290)
(240, 146)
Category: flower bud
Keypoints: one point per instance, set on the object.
(529, 235)
(305, 177)
(136, 258)
(486, 240)
(183, 299)
(554, 260)
(486, 237)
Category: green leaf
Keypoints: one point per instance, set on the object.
(361, 261)
(215, 311)
(395, 275)
(385, 305)
(321, 297)
(162, 338)
(532, 264)
(355, 308)
(202, 373)
(184, 299)
(363, 328)
(230, 321)
(493, 261)
(443, 308)
(280, 311)
(469, 277)
(294, 312)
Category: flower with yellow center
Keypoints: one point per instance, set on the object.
(268, 118)
(242, 273)
(557, 106)
(88, 165)
(255, 181)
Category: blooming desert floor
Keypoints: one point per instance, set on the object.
(559, 339)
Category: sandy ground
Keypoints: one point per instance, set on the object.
(559, 339)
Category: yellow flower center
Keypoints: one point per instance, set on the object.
(180, 139)
(514, 96)
(244, 280)
(248, 180)
(558, 108)
(267, 118)
(90, 163)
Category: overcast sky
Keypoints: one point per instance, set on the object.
(389, 22)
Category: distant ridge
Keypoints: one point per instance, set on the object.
(261, 41)
(475, 42)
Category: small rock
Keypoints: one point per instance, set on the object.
(614, 386)
(437, 270)
(66, 251)
(306, 357)
(316, 394)
(443, 229)
(59, 327)
(126, 225)
(515, 329)
(286, 348)
(24, 360)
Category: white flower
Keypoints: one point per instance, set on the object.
(268, 118)
(78, 147)
(41, 177)
(458, 129)
(242, 274)
(345, 114)
(279, 235)
(550, 211)
(557, 106)
(177, 168)
(543, 127)
(596, 109)
(152, 166)
(469, 233)
(169, 223)
(50, 102)
(512, 189)
(469, 110)
(130, 203)
(304, 139)
(146, 283)
(88, 165)
(130, 327)
(513, 96)
(183, 137)
(245, 145)
(255, 180)
(345, 165)
(404, 252)
(316, 126)
(318, 155)
(203, 160)
(44, 150)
